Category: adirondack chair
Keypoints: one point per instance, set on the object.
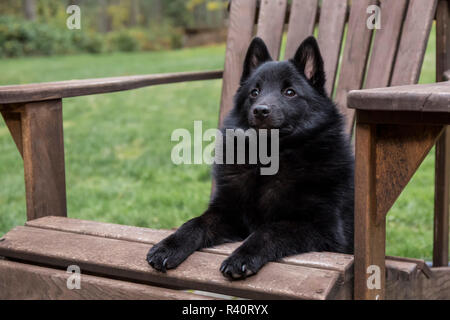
(36, 256)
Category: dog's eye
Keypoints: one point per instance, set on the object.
(254, 93)
(289, 92)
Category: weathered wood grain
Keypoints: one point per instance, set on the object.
(400, 149)
(331, 31)
(301, 24)
(13, 121)
(437, 287)
(413, 42)
(240, 32)
(370, 234)
(75, 88)
(43, 157)
(385, 43)
(19, 281)
(404, 117)
(433, 97)
(441, 200)
(354, 59)
(271, 23)
(442, 162)
(342, 263)
(126, 260)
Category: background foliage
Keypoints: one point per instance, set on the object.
(38, 27)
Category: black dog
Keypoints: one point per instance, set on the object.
(308, 204)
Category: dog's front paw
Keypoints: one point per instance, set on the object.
(162, 257)
(239, 266)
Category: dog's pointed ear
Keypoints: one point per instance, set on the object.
(309, 62)
(257, 54)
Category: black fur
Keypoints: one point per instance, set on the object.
(308, 204)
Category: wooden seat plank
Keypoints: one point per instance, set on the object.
(30, 282)
(301, 24)
(323, 260)
(126, 260)
(331, 31)
(342, 263)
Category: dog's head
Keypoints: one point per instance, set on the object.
(286, 95)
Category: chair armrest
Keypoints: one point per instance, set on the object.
(74, 88)
(419, 98)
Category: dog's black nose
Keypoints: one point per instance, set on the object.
(261, 111)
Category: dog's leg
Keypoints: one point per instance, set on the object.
(272, 242)
(205, 231)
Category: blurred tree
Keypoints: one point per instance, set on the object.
(103, 21)
(29, 9)
(134, 12)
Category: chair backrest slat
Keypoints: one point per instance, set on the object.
(331, 30)
(413, 42)
(301, 24)
(240, 33)
(386, 43)
(354, 59)
(270, 24)
(395, 59)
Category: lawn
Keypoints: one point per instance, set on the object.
(118, 147)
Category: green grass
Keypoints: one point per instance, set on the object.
(118, 147)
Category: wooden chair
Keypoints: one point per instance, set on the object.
(36, 256)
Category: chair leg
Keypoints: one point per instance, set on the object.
(370, 233)
(442, 170)
(43, 157)
(441, 200)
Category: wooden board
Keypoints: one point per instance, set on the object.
(413, 42)
(126, 260)
(271, 23)
(386, 43)
(240, 32)
(441, 200)
(60, 255)
(354, 59)
(75, 88)
(342, 263)
(437, 287)
(400, 149)
(14, 122)
(301, 24)
(43, 157)
(434, 97)
(331, 31)
(30, 282)
(442, 167)
(370, 235)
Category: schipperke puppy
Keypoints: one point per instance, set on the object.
(308, 204)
